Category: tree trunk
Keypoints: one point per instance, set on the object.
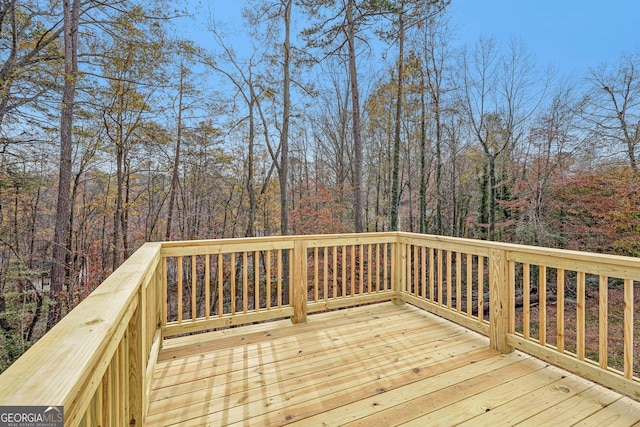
(355, 105)
(286, 113)
(395, 190)
(176, 159)
(60, 240)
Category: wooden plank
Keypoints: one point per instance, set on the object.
(395, 407)
(300, 404)
(574, 409)
(520, 410)
(461, 319)
(475, 247)
(623, 411)
(340, 354)
(348, 301)
(279, 328)
(497, 388)
(226, 320)
(222, 246)
(586, 369)
(590, 263)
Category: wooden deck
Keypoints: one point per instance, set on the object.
(372, 365)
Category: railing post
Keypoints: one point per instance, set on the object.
(135, 336)
(500, 296)
(299, 282)
(399, 271)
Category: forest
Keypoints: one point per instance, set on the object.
(329, 116)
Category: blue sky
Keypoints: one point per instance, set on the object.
(572, 35)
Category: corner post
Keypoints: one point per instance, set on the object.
(500, 297)
(299, 282)
(399, 270)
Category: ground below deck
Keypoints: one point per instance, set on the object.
(373, 365)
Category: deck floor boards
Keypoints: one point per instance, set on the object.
(373, 365)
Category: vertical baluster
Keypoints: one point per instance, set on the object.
(315, 274)
(603, 321)
(361, 285)
(386, 267)
(344, 271)
(207, 286)
(542, 303)
(232, 268)
(423, 270)
(431, 274)
(268, 278)
(335, 271)
(469, 284)
(580, 316)
(325, 278)
(220, 286)
(256, 280)
(245, 284)
(526, 300)
(628, 328)
(378, 267)
(449, 280)
(194, 276)
(458, 280)
(560, 310)
(369, 268)
(279, 282)
(179, 289)
(480, 287)
(440, 263)
(165, 300)
(352, 279)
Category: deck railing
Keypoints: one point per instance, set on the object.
(98, 361)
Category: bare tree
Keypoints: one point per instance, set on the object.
(613, 105)
(498, 96)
